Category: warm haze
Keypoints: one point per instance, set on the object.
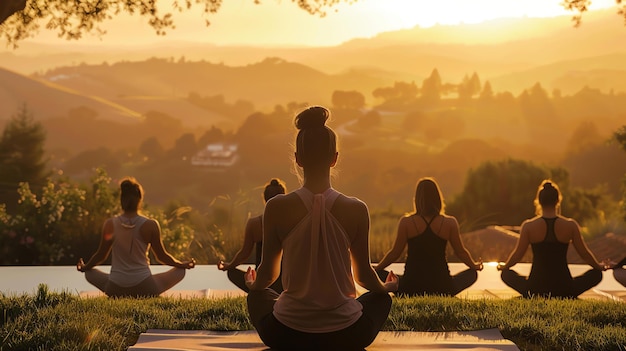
(282, 23)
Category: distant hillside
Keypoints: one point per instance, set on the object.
(604, 72)
(46, 99)
(267, 83)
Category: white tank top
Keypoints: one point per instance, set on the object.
(319, 292)
(130, 264)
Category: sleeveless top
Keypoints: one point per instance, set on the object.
(426, 268)
(319, 295)
(549, 273)
(130, 264)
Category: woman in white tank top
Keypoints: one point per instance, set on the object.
(322, 238)
(128, 238)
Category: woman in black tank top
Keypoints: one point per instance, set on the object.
(253, 240)
(549, 235)
(426, 233)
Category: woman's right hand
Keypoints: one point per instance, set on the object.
(392, 282)
(188, 264)
(80, 266)
(223, 266)
(250, 277)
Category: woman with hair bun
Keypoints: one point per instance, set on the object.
(253, 238)
(549, 235)
(322, 238)
(426, 232)
(128, 237)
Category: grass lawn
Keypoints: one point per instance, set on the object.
(63, 321)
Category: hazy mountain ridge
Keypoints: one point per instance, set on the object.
(267, 83)
(46, 99)
(548, 50)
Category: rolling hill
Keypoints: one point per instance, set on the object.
(45, 99)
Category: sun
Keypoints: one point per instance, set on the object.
(409, 13)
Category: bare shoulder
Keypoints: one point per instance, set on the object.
(150, 225)
(449, 220)
(532, 221)
(570, 223)
(281, 201)
(351, 203)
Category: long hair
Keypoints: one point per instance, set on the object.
(428, 200)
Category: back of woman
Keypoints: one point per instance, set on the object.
(319, 287)
(550, 273)
(549, 235)
(425, 233)
(321, 237)
(426, 269)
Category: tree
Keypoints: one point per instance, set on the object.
(352, 100)
(21, 155)
(620, 137)
(501, 192)
(431, 88)
(19, 21)
(151, 148)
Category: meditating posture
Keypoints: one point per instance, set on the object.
(253, 237)
(426, 232)
(549, 234)
(128, 237)
(322, 237)
(619, 273)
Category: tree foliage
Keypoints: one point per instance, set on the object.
(502, 193)
(65, 221)
(21, 154)
(20, 19)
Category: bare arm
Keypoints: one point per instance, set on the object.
(151, 229)
(459, 249)
(364, 273)
(582, 248)
(104, 248)
(253, 225)
(520, 248)
(269, 269)
(398, 247)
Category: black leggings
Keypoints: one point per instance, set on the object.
(460, 282)
(278, 336)
(237, 277)
(579, 284)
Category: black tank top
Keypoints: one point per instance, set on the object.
(258, 250)
(549, 273)
(426, 269)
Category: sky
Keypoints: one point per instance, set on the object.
(282, 23)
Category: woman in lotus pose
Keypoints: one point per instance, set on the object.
(322, 237)
(549, 234)
(253, 238)
(128, 238)
(426, 232)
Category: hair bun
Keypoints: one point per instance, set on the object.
(274, 182)
(312, 117)
(548, 185)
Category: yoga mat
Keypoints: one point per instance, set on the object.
(205, 340)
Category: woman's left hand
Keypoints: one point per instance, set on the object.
(188, 264)
(479, 265)
(392, 282)
(81, 266)
(250, 277)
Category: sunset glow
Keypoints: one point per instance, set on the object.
(283, 23)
